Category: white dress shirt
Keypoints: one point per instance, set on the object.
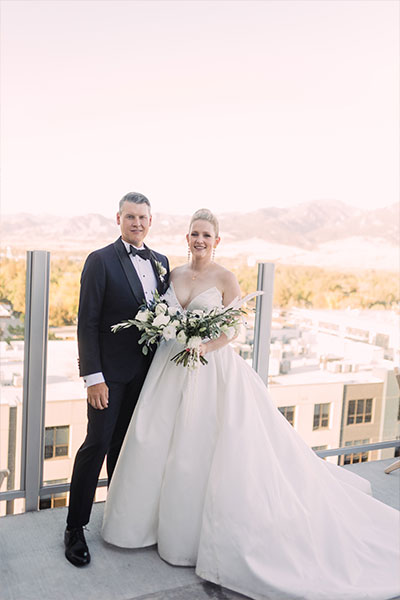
(148, 280)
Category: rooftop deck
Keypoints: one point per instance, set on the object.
(33, 567)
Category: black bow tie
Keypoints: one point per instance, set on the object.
(143, 253)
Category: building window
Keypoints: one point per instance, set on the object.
(53, 500)
(382, 340)
(359, 411)
(397, 449)
(351, 459)
(321, 416)
(288, 413)
(56, 442)
(357, 334)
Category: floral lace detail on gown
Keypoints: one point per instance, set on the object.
(214, 474)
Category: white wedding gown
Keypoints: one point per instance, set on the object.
(214, 474)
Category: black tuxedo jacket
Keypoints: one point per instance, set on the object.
(111, 292)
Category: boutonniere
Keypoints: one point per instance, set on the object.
(161, 270)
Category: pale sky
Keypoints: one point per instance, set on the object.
(226, 104)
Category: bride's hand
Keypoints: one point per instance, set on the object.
(203, 349)
(213, 345)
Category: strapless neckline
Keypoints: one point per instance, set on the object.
(213, 287)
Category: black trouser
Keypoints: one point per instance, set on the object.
(105, 434)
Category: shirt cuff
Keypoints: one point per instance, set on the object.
(93, 378)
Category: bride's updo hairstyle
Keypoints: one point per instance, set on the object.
(203, 214)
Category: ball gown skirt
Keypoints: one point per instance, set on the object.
(212, 473)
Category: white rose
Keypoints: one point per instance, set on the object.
(161, 309)
(160, 320)
(172, 310)
(181, 337)
(175, 323)
(169, 332)
(194, 342)
(142, 315)
(237, 327)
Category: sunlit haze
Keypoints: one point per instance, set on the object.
(230, 105)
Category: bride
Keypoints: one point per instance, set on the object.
(214, 474)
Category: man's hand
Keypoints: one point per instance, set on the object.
(97, 396)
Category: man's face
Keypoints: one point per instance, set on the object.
(134, 221)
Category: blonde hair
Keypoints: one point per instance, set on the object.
(203, 214)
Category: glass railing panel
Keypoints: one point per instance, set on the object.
(330, 371)
(66, 406)
(337, 390)
(246, 274)
(12, 315)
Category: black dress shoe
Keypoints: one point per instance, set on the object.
(76, 550)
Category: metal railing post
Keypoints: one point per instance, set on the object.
(34, 386)
(262, 328)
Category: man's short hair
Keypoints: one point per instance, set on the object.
(135, 198)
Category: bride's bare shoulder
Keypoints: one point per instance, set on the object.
(225, 275)
(178, 272)
(227, 281)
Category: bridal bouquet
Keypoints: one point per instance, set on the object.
(157, 321)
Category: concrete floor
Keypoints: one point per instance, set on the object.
(33, 567)
(385, 488)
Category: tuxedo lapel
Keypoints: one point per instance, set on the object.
(130, 271)
(160, 280)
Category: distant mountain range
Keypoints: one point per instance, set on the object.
(322, 233)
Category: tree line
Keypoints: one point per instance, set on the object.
(301, 286)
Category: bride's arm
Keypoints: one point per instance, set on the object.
(231, 291)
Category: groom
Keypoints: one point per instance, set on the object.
(115, 282)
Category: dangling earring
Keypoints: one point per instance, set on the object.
(188, 254)
(213, 254)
